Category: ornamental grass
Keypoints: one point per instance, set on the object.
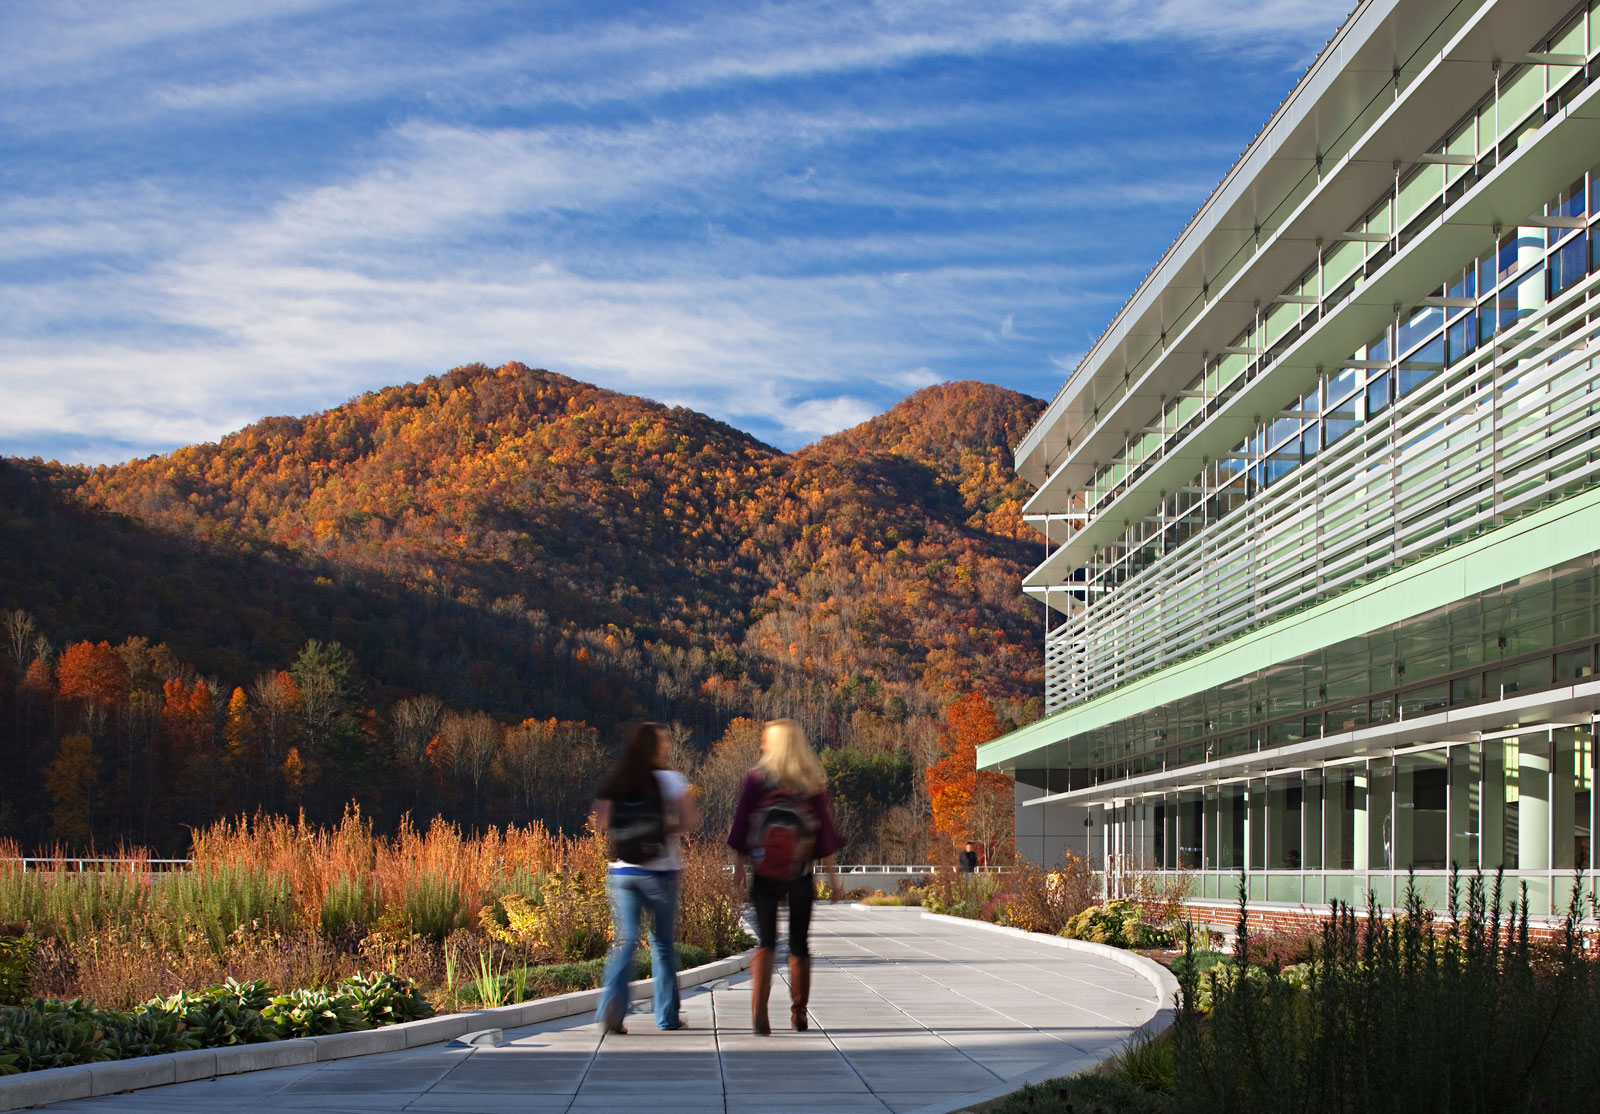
(302, 907)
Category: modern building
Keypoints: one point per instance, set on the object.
(1322, 504)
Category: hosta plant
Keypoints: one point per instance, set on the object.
(385, 999)
(314, 1013)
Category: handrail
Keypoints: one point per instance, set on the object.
(903, 868)
(40, 864)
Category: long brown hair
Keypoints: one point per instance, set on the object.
(636, 767)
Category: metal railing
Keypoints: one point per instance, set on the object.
(89, 865)
(908, 870)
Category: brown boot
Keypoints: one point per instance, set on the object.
(760, 987)
(799, 991)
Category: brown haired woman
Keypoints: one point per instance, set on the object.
(781, 828)
(641, 809)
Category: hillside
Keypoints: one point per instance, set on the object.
(513, 540)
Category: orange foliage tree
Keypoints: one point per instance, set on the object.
(965, 800)
(92, 672)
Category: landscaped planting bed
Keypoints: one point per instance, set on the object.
(365, 930)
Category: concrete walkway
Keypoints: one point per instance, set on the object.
(907, 1013)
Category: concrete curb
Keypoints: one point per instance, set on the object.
(1161, 980)
(35, 1088)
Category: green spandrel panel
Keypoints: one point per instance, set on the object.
(1340, 263)
(1230, 368)
(1569, 40)
(1280, 319)
(1422, 187)
(1518, 95)
(1379, 221)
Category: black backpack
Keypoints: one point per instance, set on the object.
(637, 827)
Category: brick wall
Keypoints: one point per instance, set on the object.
(1261, 917)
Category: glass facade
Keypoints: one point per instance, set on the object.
(1431, 381)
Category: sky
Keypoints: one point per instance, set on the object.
(786, 215)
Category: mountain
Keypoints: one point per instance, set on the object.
(513, 540)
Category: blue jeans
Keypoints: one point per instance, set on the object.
(631, 895)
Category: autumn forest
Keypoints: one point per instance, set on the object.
(447, 598)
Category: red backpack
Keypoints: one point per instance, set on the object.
(783, 835)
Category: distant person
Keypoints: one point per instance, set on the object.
(641, 809)
(781, 828)
(968, 859)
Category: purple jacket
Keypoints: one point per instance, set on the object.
(755, 787)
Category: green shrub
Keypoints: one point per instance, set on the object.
(314, 1013)
(431, 907)
(385, 999)
(223, 1015)
(350, 904)
(1119, 923)
(221, 900)
(51, 1034)
(67, 907)
(16, 968)
(1201, 960)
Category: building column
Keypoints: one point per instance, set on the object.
(1360, 828)
(1533, 805)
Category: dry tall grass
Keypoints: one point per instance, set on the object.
(299, 905)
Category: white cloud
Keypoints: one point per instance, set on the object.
(147, 310)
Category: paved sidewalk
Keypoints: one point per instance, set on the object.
(906, 1013)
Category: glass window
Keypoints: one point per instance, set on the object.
(1191, 817)
(1377, 394)
(1466, 286)
(1312, 439)
(1341, 386)
(1421, 325)
(1467, 690)
(1574, 665)
(1420, 702)
(1281, 430)
(1466, 776)
(1380, 814)
(1378, 350)
(1462, 336)
(1410, 378)
(1421, 832)
(1336, 428)
(1569, 263)
(1505, 259)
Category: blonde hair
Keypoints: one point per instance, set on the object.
(788, 759)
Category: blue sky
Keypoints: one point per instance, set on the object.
(786, 215)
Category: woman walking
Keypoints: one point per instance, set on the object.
(641, 809)
(781, 828)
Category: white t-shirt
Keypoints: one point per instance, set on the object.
(674, 787)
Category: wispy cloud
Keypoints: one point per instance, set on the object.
(788, 215)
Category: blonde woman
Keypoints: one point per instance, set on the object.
(781, 829)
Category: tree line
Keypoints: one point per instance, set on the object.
(127, 745)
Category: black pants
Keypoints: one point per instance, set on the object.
(767, 893)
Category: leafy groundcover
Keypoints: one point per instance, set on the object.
(50, 1033)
